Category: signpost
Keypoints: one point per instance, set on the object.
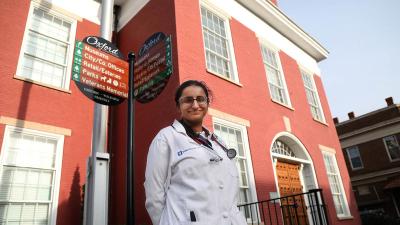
(130, 167)
(99, 72)
(153, 67)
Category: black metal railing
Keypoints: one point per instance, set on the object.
(299, 209)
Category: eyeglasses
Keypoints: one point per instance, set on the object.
(188, 100)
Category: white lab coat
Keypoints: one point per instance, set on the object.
(181, 178)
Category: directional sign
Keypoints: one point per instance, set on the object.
(99, 72)
(153, 67)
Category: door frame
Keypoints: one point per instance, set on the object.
(305, 161)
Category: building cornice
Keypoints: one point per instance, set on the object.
(370, 128)
(271, 15)
(369, 114)
(375, 174)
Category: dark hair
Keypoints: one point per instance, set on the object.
(189, 83)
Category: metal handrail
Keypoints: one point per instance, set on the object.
(306, 208)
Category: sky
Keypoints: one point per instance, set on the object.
(362, 37)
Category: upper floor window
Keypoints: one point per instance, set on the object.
(336, 185)
(312, 96)
(46, 48)
(392, 147)
(354, 157)
(217, 44)
(276, 80)
(364, 190)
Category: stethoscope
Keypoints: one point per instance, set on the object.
(203, 141)
(230, 152)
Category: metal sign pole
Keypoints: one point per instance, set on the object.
(96, 192)
(130, 211)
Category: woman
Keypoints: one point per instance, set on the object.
(189, 177)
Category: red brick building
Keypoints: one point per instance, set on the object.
(370, 143)
(45, 122)
(263, 69)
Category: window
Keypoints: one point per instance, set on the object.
(276, 82)
(392, 147)
(234, 137)
(217, 44)
(354, 157)
(28, 176)
(46, 48)
(336, 185)
(312, 96)
(363, 190)
(282, 148)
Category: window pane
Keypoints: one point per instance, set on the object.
(14, 212)
(46, 48)
(357, 162)
(24, 213)
(282, 148)
(33, 152)
(50, 25)
(28, 212)
(354, 157)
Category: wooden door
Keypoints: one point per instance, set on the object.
(293, 208)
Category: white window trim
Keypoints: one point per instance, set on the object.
(73, 21)
(246, 147)
(231, 51)
(57, 167)
(387, 149)
(272, 47)
(309, 72)
(351, 163)
(347, 212)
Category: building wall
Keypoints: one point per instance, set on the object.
(249, 99)
(374, 157)
(45, 106)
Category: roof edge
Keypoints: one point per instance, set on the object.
(273, 16)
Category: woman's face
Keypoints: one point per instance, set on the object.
(191, 110)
